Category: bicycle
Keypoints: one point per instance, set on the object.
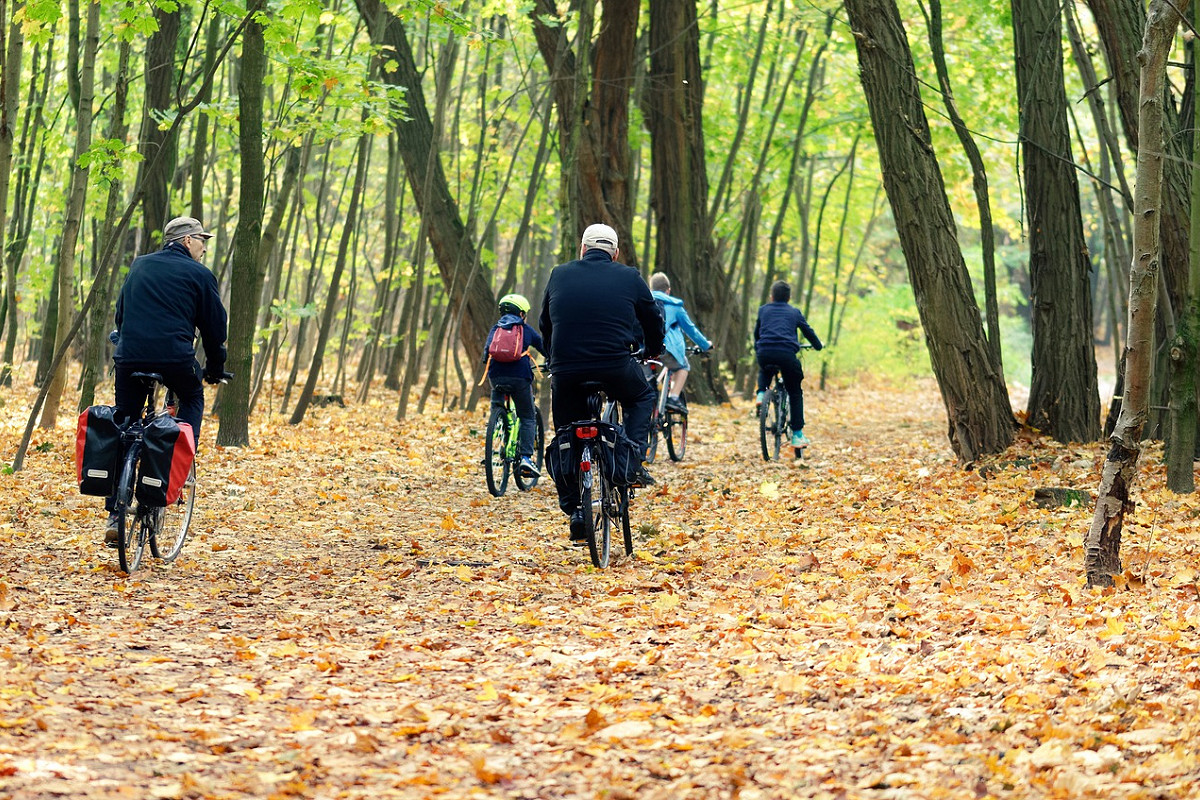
(501, 455)
(669, 423)
(164, 529)
(775, 417)
(604, 502)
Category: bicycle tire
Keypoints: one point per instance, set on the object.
(130, 542)
(626, 530)
(524, 484)
(598, 528)
(171, 524)
(766, 419)
(495, 463)
(652, 437)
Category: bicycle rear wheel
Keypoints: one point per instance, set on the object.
(626, 530)
(495, 464)
(677, 425)
(652, 438)
(130, 539)
(599, 529)
(171, 523)
(766, 426)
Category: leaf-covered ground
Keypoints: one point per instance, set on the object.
(356, 617)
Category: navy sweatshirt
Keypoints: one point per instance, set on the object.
(595, 312)
(166, 298)
(775, 329)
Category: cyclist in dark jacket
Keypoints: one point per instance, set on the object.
(775, 345)
(168, 296)
(595, 313)
(515, 378)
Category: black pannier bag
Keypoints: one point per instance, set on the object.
(562, 462)
(621, 457)
(97, 451)
(168, 448)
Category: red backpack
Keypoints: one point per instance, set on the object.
(508, 344)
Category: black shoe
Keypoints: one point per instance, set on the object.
(578, 528)
(643, 478)
(676, 404)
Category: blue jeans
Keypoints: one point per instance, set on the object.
(521, 392)
(793, 374)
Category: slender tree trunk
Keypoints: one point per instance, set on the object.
(100, 316)
(314, 369)
(976, 399)
(73, 216)
(1063, 396)
(248, 267)
(1102, 547)
(11, 45)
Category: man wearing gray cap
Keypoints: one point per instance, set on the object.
(168, 296)
(595, 313)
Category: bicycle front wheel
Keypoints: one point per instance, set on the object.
(495, 464)
(130, 541)
(766, 426)
(539, 448)
(626, 531)
(171, 523)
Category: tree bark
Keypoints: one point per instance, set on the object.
(12, 42)
(248, 268)
(1064, 397)
(154, 173)
(1102, 547)
(684, 248)
(977, 406)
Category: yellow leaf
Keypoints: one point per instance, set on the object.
(769, 490)
(1113, 627)
(448, 523)
(487, 692)
(463, 573)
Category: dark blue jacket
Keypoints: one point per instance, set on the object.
(522, 367)
(595, 312)
(166, 298)
(775, 329)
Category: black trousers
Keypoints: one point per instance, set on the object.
(183, 380)
(626, 384)
(793, 375)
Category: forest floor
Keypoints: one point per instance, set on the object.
(357, 617)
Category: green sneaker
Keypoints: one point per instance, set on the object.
(799, 439)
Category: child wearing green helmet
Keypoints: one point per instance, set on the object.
(515, 377)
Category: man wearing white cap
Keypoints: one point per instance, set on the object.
(595, 313)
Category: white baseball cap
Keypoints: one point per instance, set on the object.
(600, 237)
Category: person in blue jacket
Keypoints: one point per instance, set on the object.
(776, 346)
(678, 324)
(515, 378)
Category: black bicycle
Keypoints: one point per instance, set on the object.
(605, 503)
(775, 417)
(163, 528)
(501, 456)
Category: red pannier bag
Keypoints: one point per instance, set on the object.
(97, 451)
(168, 448)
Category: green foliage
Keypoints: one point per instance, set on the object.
(881, 336)
(107, 159)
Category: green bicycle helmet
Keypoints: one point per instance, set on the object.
(514, 304)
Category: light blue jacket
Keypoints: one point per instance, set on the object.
(678, 323)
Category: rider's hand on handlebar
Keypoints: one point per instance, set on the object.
(213, 379)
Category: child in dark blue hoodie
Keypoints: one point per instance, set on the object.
(515, 378)
(775, 345)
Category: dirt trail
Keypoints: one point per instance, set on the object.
(356, 617)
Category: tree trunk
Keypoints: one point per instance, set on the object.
(154, 173)
(466, 290)
(248, 268)
(11, 45)
(684, 249)
(1064, 399)
(1102, 547)
(976, 400)
(73, 214)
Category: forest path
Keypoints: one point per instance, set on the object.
(356, 617)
